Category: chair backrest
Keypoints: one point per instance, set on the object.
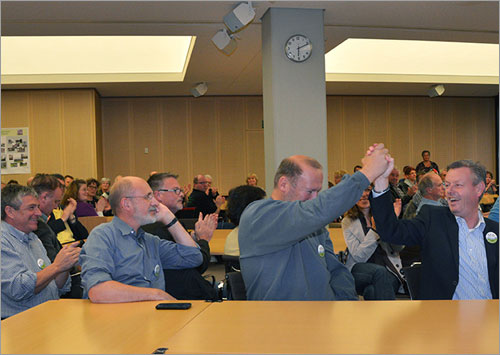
(90, 222)
(412, 277)
(235, 286)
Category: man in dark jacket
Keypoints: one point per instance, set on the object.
(185, 283)
(459, 246)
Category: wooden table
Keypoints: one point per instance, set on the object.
(219, 239)
(397, 327)
(81, 327)
(364, 327)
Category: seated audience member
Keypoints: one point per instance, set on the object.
(64, 222)
(494, 212)
(285, 250)
(15, 182)
(459, 247)
(239, 198)
(122, 263)
(491, 188)
(28, 276)
(443, 173)
(68, 179)
(92, 186)
(396, 192)
(430, 192)
(409, 184)
(30, 179)
(375, 265)
(49, 191)
(356, 168)
(105, 187)
(211, 191)
(426, 164)
(252, 179)
(338, 175)
(77, 190)
(185, 284)
(200, 200)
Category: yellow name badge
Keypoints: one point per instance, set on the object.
(491, 237)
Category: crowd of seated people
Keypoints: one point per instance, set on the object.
(281, 241)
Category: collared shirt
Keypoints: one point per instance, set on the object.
(23, 255)
(114, 251)
(473, 281)
(426, 201)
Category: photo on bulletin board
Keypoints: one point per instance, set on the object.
(15, 153)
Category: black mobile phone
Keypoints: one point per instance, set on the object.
(173, 306)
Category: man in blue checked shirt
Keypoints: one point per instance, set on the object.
(28, 277)
(122, 263)
(459, 246)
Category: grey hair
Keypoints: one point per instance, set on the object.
(477, 169)
(12, 195)
(119, 191)
(155, 181)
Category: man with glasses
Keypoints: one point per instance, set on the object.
(122, 263)
(201, 200)
(186, 283)
(459, 247)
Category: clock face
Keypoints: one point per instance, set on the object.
(298, 48)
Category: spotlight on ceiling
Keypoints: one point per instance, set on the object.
(224, 41)
(436, 90)
(199, 89)
(241, 16)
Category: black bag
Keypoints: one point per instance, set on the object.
(188, 284)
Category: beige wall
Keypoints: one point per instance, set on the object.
(223, 136)
(63, 130)
(220, 136)
(451, 128)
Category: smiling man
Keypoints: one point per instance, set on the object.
(28, 276)
(122, 263)
(459, 246)
(285, 250)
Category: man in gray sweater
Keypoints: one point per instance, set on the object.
(285, 250)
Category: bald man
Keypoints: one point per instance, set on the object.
(200, 198)
(122, 263)
(285, 250)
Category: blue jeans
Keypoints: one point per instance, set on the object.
(374, 282)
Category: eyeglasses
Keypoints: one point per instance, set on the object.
(175, 190)
(148, 197)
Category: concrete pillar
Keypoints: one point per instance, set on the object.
(294, 94)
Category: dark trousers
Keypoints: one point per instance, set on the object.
(374, 282)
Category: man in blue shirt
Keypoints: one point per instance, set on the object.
(28, 277)
(122, 263)
(459, 246)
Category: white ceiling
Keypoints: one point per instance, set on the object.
(241, 73)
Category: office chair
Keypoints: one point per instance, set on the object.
(235, 286)
(412, 277)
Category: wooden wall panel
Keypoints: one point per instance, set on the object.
(423, 136)
(484, 114)
(45, 125)
(204, 136)
(335, 129)
(354, 132)
(146, 135)
(78, 134)
(254, 113)
(176, 145)
(117, 147)
(375, 121)
(255, 157)
(398, 140)
(465, 128)
(444, 130)
(232, 124)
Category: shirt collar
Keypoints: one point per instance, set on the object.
(480, 223)
(125, 229)
(16, 233)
